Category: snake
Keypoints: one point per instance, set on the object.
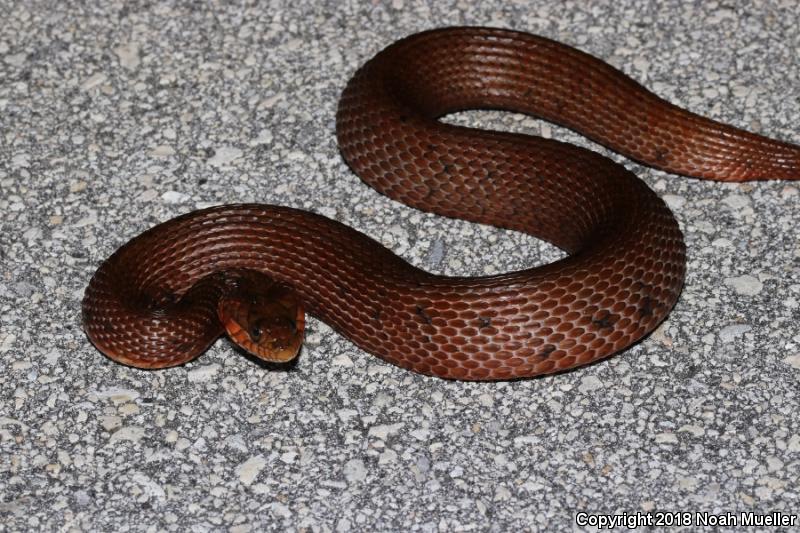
(254, 270)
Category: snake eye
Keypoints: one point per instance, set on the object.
(255, 332)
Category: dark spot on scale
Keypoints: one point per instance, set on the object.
(646, 306)
(661, 155)
(344, 290)
(425, 316)
(547, 349)
(606, 320)
(432, 146)
(484, 322)
(376, 314)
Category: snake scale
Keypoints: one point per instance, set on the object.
(156, 301)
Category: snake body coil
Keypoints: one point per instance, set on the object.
(152, 303)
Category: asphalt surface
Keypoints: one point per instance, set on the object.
(116, 115)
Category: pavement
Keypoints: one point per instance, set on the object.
(117, 115)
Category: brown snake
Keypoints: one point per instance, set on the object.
(156, 301)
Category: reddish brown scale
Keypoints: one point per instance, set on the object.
(152, 303)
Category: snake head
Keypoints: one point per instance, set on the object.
(264, 318)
